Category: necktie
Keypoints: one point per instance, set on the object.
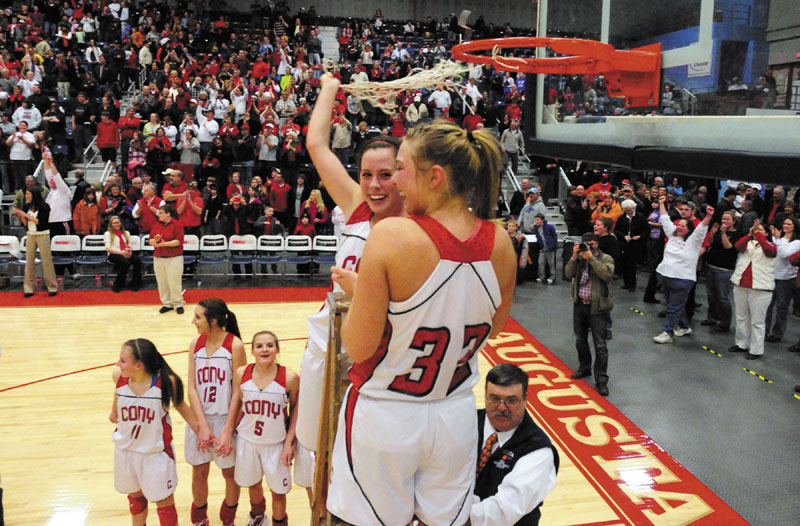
(486, 452)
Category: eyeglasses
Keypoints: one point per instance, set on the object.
(510, 401)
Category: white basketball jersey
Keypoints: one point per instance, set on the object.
(265, 411)
(430, 343)
(143, 426)
(354, 236)
(214, 375)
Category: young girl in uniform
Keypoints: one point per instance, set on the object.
(213, 357)
(414, 329)
(365, 203)
(144, 456)
(266, 393)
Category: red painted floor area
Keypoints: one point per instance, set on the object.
(640, 481)
(146, 297)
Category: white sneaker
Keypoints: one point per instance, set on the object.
(683, 332)
(538, 280)
(203, 522)
(550, 281)
(261, 520)
(664, 337)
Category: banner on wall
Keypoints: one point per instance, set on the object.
(700, 69)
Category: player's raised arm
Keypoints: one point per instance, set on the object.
(344, 191)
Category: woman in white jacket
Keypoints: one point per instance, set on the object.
(786, 239)
(678, 269)
(754, 280)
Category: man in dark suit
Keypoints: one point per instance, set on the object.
(103, 74)
(630, 230)
(517, 464)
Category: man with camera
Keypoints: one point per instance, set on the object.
(591, 270)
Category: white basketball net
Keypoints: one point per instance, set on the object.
(384, 95)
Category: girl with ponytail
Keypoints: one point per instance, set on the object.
(144, 456)
(414, 329)
(213, 357)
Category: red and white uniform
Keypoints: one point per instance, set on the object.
(144, 456)
(265, 412)
(262, 431)
(213, 376)
(354, 236)
(410, 408)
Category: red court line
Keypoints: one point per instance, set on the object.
(640, 481)
(74, 298)
(112, 365)
(604, 523)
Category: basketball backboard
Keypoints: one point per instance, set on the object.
(718, 110)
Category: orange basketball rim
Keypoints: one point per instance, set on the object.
(633, 74)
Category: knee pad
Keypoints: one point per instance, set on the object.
(137, 504)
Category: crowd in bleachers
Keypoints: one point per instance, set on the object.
(219, 95)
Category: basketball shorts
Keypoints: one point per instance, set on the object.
(195, 457)
(312, 375)
(255, 462)
(393, 460)
(304, 464)
(154, 474)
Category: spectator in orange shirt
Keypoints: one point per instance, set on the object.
(609, 208)
(86, 217)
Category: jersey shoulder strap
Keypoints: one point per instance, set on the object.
(477, 247)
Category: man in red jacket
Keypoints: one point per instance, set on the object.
(128, 125)
(108, 138)
(278, 197)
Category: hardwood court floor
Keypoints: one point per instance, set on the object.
(56, 393)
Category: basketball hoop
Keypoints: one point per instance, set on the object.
(633, 74)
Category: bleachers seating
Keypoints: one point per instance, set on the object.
(65, 249)
(213, 251)
(269, 252)
(298, 252)
(93, 251)
(243, 250)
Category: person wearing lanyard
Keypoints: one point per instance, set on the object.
(34, 216)
(166, 237)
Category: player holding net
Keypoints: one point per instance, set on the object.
(414, 329)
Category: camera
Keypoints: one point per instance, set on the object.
(583, 247)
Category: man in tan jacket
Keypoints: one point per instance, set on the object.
(591, 271)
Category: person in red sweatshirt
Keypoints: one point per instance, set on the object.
(108, 138)
(128, 124)
(278, 197)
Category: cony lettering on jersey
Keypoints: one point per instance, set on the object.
(264, 419)
(214, 375)
(143, 426)
(354, 236)
(430, 343)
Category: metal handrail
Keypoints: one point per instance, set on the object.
(107, 169)
(692, 98)
(38, 174)
(86, 159)
(563, 186)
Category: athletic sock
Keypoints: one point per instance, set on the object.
(257, 509)
(168, 516)
(227, 514)
(283, 522)
(199, 513)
